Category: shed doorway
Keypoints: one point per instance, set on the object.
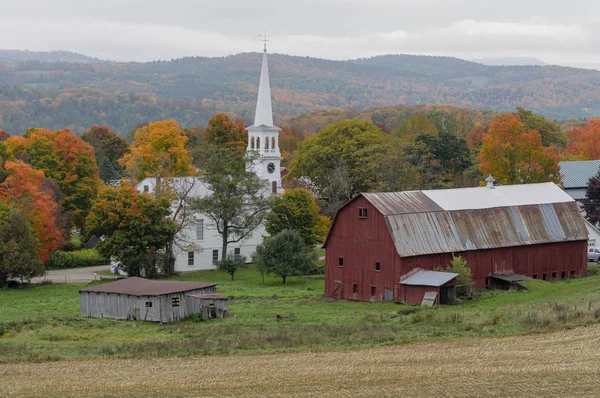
(448, 295)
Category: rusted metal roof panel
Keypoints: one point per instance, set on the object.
(135, 286)
(464, 230)
(389, 203)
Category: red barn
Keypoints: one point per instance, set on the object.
(377, 238)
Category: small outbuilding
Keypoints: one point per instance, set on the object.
(148, 300)
(414, 286)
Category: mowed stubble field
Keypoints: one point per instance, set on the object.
(560, 364)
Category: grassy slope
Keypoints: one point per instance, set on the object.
(42, 323)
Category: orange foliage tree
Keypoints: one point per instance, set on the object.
(226, 133)
(66, 159)
(514, 155)
(584, 142)
(26, 189)
(158, 149)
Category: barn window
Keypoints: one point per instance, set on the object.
(237, 251)
(544, 276)
(340, 261)
(534, 276)
(354, 288)
(148, 304)
(377, 266)
(362, 212)
(373, 291)
(563, 275)
(572, 273)
(215, 257)
(175, 301)
(554, 275)
(200, 229)
(190, 258)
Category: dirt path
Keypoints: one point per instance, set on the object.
(559, 364)
(73, 275)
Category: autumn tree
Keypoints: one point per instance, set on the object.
(109, 148)
(298, 211)
(591, 203)
(134, 228)
(237, 203)
(66, 159)
(158, 149)
(515, 155)
(195, 143)
(18, 247)
(4, 135)
(583, 141)
(351, 147)
(451, 152)
(548, 129)
(224, 132)
(413, 126)
(285, 255)
(26, 191)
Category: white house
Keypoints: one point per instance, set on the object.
(593, 233)
(200, 245)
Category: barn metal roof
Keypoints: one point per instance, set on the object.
(576, 174)
(455, 220)
(401, 202)
(135, 286)
(429, 278)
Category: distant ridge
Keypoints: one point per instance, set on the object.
(510, 61)
(77, 94)
(46, 56)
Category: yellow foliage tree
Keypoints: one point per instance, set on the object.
(158, 149)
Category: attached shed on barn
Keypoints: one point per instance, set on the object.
(375, 239)
(415, 285)
(148, 300)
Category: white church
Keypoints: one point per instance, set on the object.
(203, 244)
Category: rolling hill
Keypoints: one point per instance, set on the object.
(52, 93)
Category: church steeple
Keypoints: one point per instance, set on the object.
(263, 135)
(264, 112)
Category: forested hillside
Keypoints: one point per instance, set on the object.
(83, 92)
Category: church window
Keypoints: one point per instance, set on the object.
(273, 143)
(215, 257)
(274, 187)
(267, 143)
(257, 142)
(252, 143)
(200, 229)
(190, 258)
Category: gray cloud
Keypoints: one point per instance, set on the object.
(142, 30)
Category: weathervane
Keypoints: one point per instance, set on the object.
(264, 40)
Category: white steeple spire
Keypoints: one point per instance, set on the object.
(264, 112)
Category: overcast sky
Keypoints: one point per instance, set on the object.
(561, 32)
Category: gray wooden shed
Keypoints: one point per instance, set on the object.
(148, 300)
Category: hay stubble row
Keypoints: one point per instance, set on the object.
(566, 363)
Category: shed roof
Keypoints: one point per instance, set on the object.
(135, 286)
(576, 174)
(456, 220)
(210, 296)
(429, 278)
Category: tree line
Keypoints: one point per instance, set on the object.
(55, 182)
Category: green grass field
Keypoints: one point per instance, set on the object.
(42, 323)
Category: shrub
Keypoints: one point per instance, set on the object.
(75, 259)
(593, 269)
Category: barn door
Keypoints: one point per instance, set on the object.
(338, 289)
(388, 295)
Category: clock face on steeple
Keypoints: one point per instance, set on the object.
(271, 168)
